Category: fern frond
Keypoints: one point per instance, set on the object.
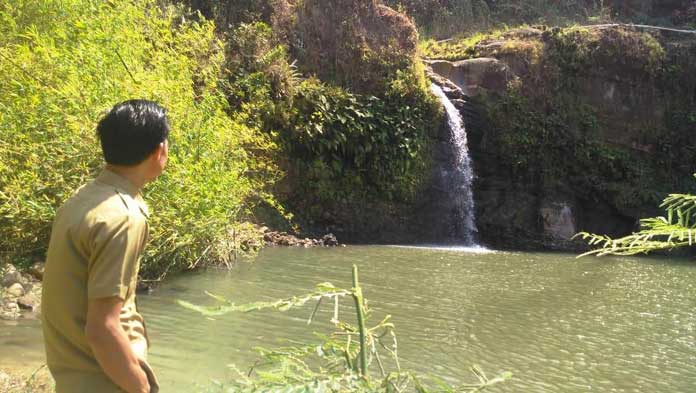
(677, 229)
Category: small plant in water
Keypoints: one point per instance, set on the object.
(354, 358)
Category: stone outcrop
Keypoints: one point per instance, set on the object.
(20, 293)
(284, 239)
(558, 220)
(475, 74)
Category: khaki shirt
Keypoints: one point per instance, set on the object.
(97, 239)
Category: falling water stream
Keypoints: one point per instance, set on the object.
(460, 176)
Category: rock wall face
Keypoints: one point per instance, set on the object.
(592, 130)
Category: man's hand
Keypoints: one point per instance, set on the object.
(111, 346)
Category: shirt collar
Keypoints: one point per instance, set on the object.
(123, 185)
(112, 178)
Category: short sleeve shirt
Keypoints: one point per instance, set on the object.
(96, 242)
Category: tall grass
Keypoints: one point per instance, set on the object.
(63, 64)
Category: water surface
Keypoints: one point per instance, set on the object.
(558, 323)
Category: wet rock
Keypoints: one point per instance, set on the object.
(274, 238)
(37, 270)
(330, 240)
(144, 288)
(9, 310)
(558, 219)
(11, 276)
(15, 290)
(29, 301)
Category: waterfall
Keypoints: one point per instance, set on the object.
(460, 176)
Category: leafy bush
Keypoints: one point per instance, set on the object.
(62, 64)
(382, 142)
(342, 144)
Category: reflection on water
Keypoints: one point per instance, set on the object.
(476, 249)
(558, 323)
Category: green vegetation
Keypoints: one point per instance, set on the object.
(62, 64)
(339, 144)
(440, 19)
(459, 48)
(354, 358)
(546, 131)
(241, 111)
(677, 229)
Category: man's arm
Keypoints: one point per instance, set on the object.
(111, 346)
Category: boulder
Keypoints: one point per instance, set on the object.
(29, 301)
(330, 240)
(15, 290)
(9, 310)
(11, 276)
(475, 74)
(558, 220)
(37, 270)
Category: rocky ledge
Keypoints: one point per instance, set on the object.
(275, 238)
(20, 292)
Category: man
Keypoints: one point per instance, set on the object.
(95, 338)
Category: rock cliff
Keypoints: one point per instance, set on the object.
(582, 129)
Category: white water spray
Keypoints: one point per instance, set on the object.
(460, 176)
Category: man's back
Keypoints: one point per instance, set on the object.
(97, 239)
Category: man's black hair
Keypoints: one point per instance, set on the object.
(131, 131)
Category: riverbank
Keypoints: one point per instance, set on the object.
(38, 381)
(20, 290)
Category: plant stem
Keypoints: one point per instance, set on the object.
(358, 296)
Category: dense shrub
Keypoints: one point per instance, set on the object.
(341, 144)
(62, 64)
(363, 143)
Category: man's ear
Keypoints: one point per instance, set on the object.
(160, 151)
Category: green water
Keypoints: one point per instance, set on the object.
(558, 323)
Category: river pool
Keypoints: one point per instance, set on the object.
(559, 324)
